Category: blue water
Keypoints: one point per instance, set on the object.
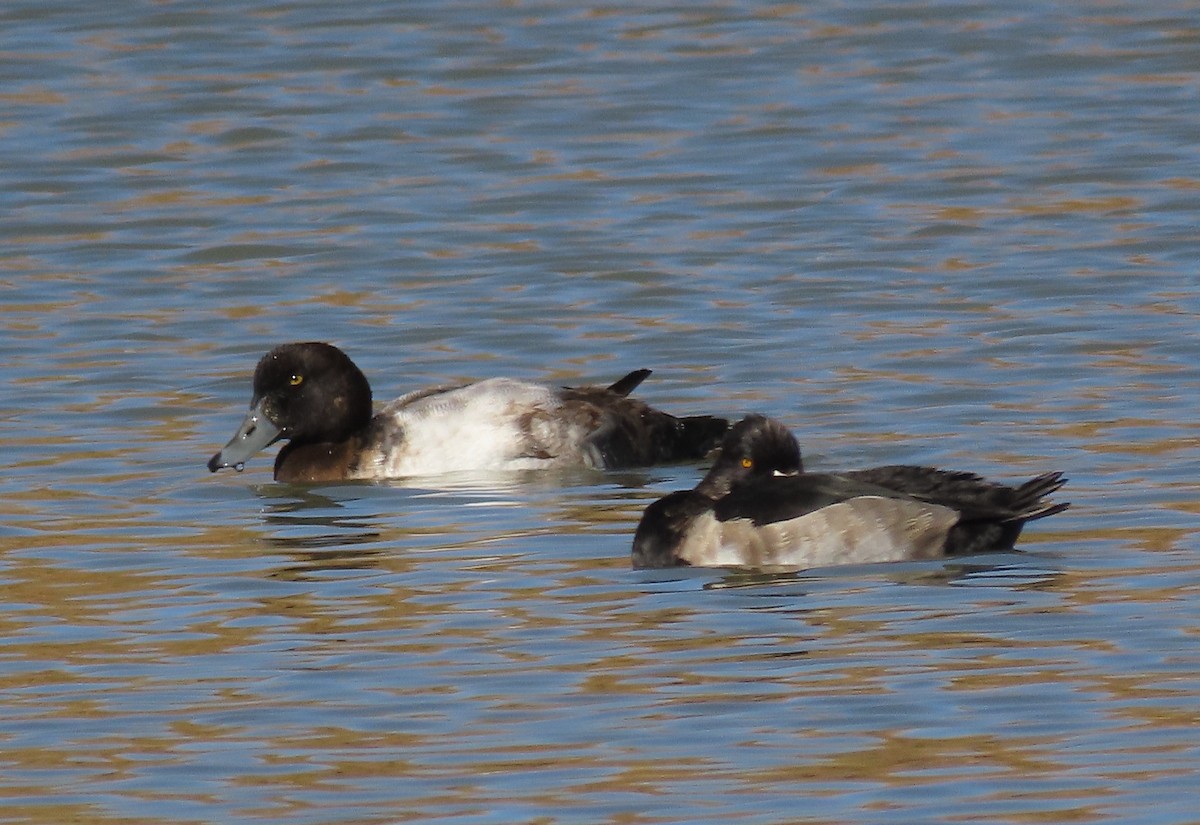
(959, 234)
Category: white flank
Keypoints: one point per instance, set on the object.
(460, 429)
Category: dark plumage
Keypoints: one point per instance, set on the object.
(757, 508)
(314, 396)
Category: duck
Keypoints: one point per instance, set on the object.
(312, 395)
(758, 508)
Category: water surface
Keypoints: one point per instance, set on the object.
(950, 233)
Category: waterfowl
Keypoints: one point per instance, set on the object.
(757, 508)
(312, 395)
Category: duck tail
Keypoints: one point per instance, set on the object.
(629, 383)
(1029, 501)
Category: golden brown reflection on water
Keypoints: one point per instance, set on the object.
(442, 642)
(424, 666)
(230, 644)
(952, 235)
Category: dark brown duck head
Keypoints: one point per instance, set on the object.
(308, 393)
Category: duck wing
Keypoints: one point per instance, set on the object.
(626, 432)
(802, 521)
(782, 498)
(991, 515)
(973, 496)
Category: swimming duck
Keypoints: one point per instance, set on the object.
(314, 396)
(757, 508)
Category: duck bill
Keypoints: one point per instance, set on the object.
(257, 432)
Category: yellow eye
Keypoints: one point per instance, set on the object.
(747, 463)
(296, 380)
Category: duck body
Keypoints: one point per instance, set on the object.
(312, 395)
(757, 508)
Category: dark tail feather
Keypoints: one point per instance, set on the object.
(1029, 502)
(986, 532)
(629, 383)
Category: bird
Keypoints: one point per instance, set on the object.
(312, 395)
(757, 508)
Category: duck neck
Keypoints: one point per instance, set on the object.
(308, 462)
(714, 486)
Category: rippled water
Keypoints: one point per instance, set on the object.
(950, 233)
